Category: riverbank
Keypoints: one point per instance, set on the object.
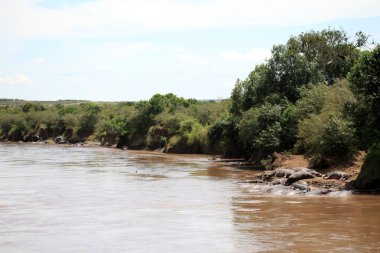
(304, 179)
(293, 174)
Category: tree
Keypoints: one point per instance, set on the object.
(365, 79)
(305, 60)
(223, 138)
(331, 50)
(260, 128)
(325, 131)
(27, 107)
(369, 176)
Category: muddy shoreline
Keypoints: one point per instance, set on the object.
(269, 180)
(292, 175)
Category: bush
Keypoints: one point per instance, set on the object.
(113, 124)
(28, 107)
(52, 122)
(369, 176)
(19, 130)
(157, 137)
(326, 137)
(191, 138)
(6, 122)
(325, 132)
(260, 128)
(313, 100)
(223, 138)
(365, 79)
(170, 121)
(289, 125)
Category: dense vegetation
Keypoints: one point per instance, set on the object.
(318, 94)
(369, 176)
(164, 121)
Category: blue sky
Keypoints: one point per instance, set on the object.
(113, 50)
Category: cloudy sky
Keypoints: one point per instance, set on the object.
(117, 50)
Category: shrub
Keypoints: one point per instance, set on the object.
(157, 137)
(260, 128)
(6, 122)
(326, 137)
(365, 79)
(369, 176)
(18, 130)
(191, 138)
(223, 138)
(325, 132)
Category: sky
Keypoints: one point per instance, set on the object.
(124, 50)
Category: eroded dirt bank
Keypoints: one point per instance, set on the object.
(294, 174)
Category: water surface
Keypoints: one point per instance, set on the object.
(77, 199)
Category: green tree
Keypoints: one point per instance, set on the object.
(365, 79)
(369, 176)
(325, 132)
(223, 138)
(331, 50)
(27, 107)
(260, 128)
(310, 58)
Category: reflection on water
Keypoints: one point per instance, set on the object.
(76, 199)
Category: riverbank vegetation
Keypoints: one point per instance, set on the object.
(317, 95)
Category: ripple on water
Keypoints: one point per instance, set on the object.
(70, 199)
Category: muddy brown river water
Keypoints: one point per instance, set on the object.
(79, 199)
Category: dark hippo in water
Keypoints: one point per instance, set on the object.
(339, 175)
(282, 172)
(300, 185)
(319, 192)
(60, 140)
(311, 171)
(298, 175)
(278, 181)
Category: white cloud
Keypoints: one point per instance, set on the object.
(68, 69)
(103, 67)
(193, 60)
(13, 80)
(80, 79)
(26, 19)
(255, 55)
(190, 64)
(119, 50)
(39, 60)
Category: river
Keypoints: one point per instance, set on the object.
(81, 199)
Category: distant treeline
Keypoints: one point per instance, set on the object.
(165, 121)
(15, 102)
(318, 95)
